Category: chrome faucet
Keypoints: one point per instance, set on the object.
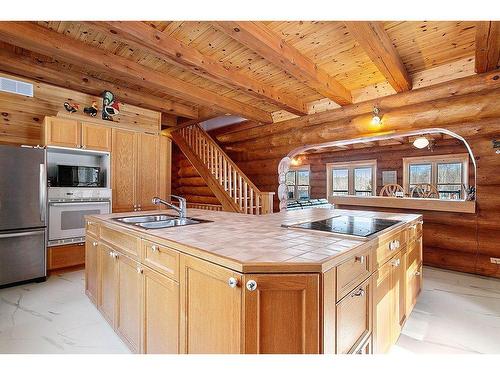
(181, 210)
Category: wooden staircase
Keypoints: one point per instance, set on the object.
(228, 183)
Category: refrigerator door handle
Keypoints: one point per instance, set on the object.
(20, 234)
(43, 192)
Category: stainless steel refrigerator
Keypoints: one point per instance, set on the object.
(23, 214)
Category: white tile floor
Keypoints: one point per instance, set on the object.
(456, 313)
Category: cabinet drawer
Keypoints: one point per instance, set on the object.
(414, 230)
(352, 272)
(354, 318)
(161, 258)
(127, 244)
(389, 246)
(414, 252)
(92, 228)
(65, 256)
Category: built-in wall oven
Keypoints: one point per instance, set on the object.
(67, 211)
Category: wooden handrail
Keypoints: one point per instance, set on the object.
(244, 195)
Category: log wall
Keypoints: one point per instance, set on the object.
(468, 107)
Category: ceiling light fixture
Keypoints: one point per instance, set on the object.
(421, 142)
(376, 120)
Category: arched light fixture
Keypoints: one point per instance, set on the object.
(421, 142)
(376, 120)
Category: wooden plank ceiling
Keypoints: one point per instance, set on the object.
(262, 71)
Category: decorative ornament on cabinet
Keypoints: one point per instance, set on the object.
(92, 110)
(110, 106)
(71, 107)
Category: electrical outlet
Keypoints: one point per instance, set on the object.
(495, 260)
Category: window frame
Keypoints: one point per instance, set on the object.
(434, 160)
(350, 166)
(299, 168)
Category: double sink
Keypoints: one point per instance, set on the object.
(158, 221)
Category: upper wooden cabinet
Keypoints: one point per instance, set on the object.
(96, 137)
(75, 134)
(148, 167)
(62, 132)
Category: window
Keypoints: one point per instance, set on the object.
(297, 181)
(351, 178)
(447, 173)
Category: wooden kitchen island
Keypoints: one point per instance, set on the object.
(245, 284)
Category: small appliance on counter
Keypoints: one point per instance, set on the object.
(23, 218)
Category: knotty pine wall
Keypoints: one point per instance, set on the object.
(468, 107)
(21, 117)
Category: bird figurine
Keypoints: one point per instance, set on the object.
(92, 110)
(71, 107)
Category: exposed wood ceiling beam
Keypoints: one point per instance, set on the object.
(41, 40)
(270, 46)
(163, 46)
(487, 46)
(374, 40)
(52, 73)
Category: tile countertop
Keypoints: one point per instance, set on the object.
(247, 243)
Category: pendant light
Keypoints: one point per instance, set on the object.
(376, 120)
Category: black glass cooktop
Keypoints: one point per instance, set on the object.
(351, 225)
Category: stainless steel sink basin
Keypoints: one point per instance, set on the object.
(144, 219)
(158, 221)
(168, 223)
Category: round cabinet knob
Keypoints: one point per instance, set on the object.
(154, 248)
(94, 243)
(251, 285)
(111, 254)
(360, 259)
(140, 270)
(232, 282)
(417, 273)
(396, 262)
(83, 146)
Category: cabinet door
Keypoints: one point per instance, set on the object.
(165, 167)
(383, 308)
(281, 314)
(62, 132)
(96, 137)
(354, 314)
(129, 314)
(161, 314)
(123, 172)
(147, 170)
(107, 283)
(210, 308)
(91, 254)
(414, 285)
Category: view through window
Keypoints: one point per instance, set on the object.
(353, 178)
(447, 173)
(297, 182)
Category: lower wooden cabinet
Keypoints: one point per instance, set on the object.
(414, 285)
(354, 318)
(65, 256)
(210, 308)
(91, 272)
(107, 282)
(387, 304)
(160, 314)
(281, 313)
(129, 301)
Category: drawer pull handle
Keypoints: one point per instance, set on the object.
(360, 259)
(417, 273)
(94, 243)
(393, 245)
(251, 285)
(359, 293)
(232, 282)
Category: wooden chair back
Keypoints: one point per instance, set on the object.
(390, 190)
(424, 191)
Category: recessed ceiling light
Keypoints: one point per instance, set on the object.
(421, 142)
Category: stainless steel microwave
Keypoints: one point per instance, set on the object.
(79, 176)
